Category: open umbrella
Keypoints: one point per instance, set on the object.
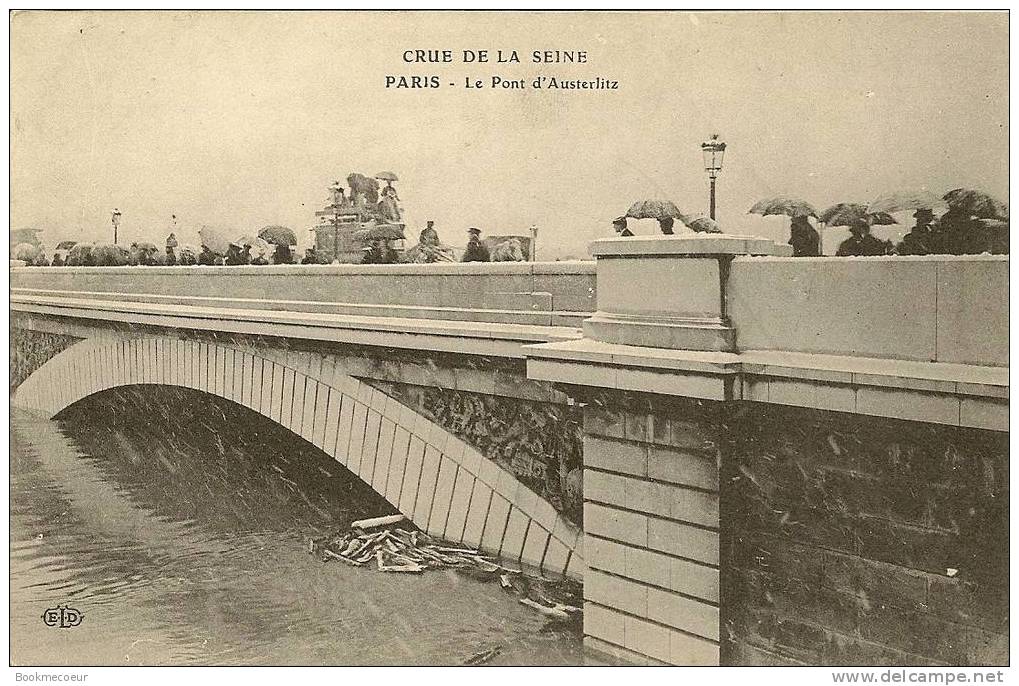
(262, 248)
(214, 240)
(976, 204)
(80, 255)
(389, 232)
(278, 235)
(146, 246)
(905, 201)
(387, 176)
(781, 204)
(845, 213)
(66, 245)
(702, 224)
(258, 245)
(25, 252)
(110, 255)
(653, 209)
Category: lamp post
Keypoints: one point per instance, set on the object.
(115, 219)
(713, 151)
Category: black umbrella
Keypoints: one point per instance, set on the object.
(653, 209)
(702, 225)
(846, 213)
(278, 235)
(976, 204)
(782, 204)
(905, 201)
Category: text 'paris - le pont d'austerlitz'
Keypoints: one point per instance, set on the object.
(499, 82)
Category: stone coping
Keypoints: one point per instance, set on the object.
(691, 244)
(936, 377)
(434, 269)
(880, 258)
(537, 315)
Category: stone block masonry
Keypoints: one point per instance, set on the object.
(651, 531)
(856, 540)
(745, 533)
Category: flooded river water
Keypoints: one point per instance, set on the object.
(178, 524)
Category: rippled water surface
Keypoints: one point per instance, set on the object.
(178, 524)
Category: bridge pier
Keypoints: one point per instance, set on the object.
(651, 530)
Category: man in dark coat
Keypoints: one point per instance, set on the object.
(207, 258)
(919, 240)
(804, 238)
(238, 255)
(283, 255)
(476, 250)
(429, 236)
(620, 227)
(309, 257)
(862, 243)
(957, 233)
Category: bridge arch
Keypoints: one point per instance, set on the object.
(440, 483)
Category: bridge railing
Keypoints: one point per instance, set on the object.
(935, 308)
(530, 293)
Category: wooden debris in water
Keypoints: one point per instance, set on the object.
(377, 521)
(482, 657)
(399, 550)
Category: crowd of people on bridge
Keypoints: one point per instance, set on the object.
(973, 223)
(244, 252)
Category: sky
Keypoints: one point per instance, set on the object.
(242, 119)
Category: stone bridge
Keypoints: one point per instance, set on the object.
(785, 461)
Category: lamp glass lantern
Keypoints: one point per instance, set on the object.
(115, 220)
(713, 151)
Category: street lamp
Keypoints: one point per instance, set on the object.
(116, 223)
(713, 151)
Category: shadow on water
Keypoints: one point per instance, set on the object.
(177, 521)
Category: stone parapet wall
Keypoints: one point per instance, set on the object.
(939, 308)
(531, 293)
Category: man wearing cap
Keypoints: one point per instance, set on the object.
(861, 243)
(429, 236)
(919, 240)
(619, 226)
(476, 250)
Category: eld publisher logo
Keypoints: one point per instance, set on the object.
(62, 616)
